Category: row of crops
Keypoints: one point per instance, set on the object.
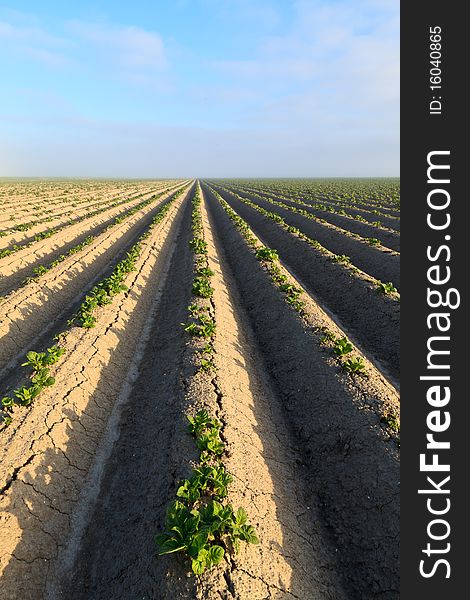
(203, 373)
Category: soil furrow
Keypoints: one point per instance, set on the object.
(293, 559)
(29, 237)
(350, 470)
(392, 222)
(40, 307)
(378, 264)
(18, 266)
(72, 207)
(387, 238)
(138, 480)
(376, 328)
(100, 365)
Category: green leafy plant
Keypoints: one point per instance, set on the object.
(42, 378)
(354, 365)
(205, 328)
(199, 246)
(267, 254)
(26, 395)
(327, 337)
(386, 288)
(206, 365)
(341, 258)
(391, 419)
(342, 347)
(198, 524)
(8, 403)
(202, 287)
(200, 422)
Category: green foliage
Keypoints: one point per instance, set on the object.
(386, 288)
(198, 524)
(267, 254)
(199, 246)
(341, 258)
(202, 287)
(391, 419)
(354, 365)
(26, 395)
(205, 328)
(342, 347)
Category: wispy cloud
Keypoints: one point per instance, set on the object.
(128, 46)
(33, 42)
(221, 87)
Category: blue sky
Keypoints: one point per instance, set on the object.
(199, 88)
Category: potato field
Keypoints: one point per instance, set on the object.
(199, 388)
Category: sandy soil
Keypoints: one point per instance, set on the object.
(47, 459)
(16, 267)
(88, 471)
(376, 329)
(26, 313)
(379, 263)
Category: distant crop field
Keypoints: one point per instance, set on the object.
(199, 387)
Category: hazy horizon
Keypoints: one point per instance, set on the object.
(235, 88)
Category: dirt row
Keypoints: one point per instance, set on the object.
(341, 448)
(297, 557)
(28, 314)
(22, 237)
(388, 239)
(370, 319)
(390, 220)
(380, 264)
(15, 268)
(24, 214)
(49, 472)
(89, 471)
(71, 208)
(76, 191)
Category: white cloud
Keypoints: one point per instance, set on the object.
(33, 42)
(127, 45)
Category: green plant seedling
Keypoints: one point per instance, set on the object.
(341, 258)
(206, 365)
(26, 395)
(35, 360)
(202, 287)
(53, 354)
(354, 365)
(199, 422)
(8, 403)
(267, 254)
(342, 347)
(386, 288)
(42, 378)
(327, 337)
(198, 245)
(391, 420)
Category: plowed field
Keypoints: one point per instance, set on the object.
(273, 306)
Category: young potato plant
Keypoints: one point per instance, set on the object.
(342, 347)
(200, 310)
(267, 254)
(354, 366)
(391, 420)
(198, 523)
(100, 295)
(386, 288)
